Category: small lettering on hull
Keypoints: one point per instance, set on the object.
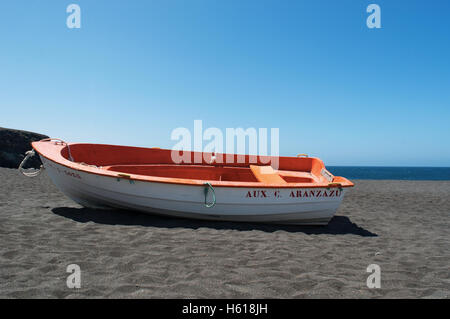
(257, 194)
(75, 175)
(263, 194)
(322, 193)
(316, 193)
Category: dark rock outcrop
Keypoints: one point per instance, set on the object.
(14, 144)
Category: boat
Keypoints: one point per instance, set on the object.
(238, 188)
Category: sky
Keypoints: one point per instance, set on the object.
(137, 70)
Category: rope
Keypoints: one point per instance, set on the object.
(213, 203)
(86, 164)
(32, 153)
(63, 142)
(26, 173)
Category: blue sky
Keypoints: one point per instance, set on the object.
(136, 70)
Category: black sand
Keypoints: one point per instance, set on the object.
(403, 226)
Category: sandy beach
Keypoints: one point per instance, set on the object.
(403, 226)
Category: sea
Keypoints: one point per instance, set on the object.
(397, 173)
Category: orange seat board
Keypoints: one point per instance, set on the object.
(266, 174)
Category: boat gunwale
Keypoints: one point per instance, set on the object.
(61, 160)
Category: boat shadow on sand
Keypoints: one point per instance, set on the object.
(339, 225)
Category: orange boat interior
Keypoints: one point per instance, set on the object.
(134, 162)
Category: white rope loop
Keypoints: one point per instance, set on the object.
(31, 153)
(25, 172)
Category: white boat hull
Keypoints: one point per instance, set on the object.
(300, 206)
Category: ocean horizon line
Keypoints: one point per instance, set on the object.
(392, 172)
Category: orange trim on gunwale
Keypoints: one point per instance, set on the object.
(116, 155)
